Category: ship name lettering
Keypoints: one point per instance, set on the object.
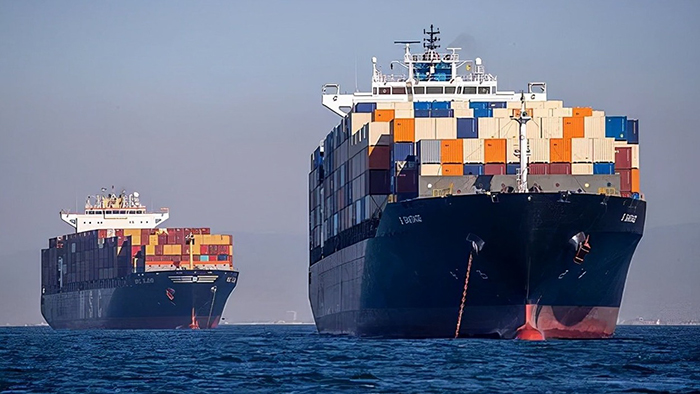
(626, 217)
(143, 281)
(411, 219)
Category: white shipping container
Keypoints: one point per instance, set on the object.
(581, 150)
(553, 104)
(385, 105)
(582, 168)
(535, 104)
(594, 126)
(403, 105)
(403, 113)
(502, 112)
(488, 127)
(508, 129)
(539, 150)
(473, 149)
(513, 104)
(459, 105)
(603, 150)
(598, 114)
(430, 169)
(464, 113)
(425, 129)
(357, 120)
(379, 133)
(552, 127)
(445, 128)
(561, 112)
(513, 145)
(635, 155)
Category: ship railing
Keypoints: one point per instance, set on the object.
(381, 78)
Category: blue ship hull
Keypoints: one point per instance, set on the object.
(527, 278)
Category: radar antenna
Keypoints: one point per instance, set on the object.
(430, 43)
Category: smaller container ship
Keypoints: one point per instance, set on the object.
(119, 271)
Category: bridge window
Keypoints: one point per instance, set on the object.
(122, 212)
(401, 90)
(374, 90)
(484, 89)
(386, 90)
(450, 89)
(108, 212)
(434, 89)
(469, 90)
(419, 90)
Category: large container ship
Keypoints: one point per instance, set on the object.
(441, 206)
(118, 270)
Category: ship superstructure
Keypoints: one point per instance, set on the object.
(118, 270)
(441, 206)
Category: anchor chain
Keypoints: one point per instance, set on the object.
(464, 295)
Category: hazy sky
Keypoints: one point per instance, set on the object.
(212, 108)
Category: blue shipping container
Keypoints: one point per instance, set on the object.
(633, 131)
(616, 127)
(401, 151)
(603, 168)
(221, 257)
(467, 128)
(421, 105)
(483, 113)
(204, 257)
(497, 104)
(440, 105)
(421, 113)
(365, 107)
(512, 168)
(428, 151)
(442, 113)
(478, 104)
(473, 169)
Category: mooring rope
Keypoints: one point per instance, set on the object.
(464, 295)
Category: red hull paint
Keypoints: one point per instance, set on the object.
(568, 322)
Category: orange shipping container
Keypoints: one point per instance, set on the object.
(404, 130)
(379, 158)
(383, 115)
(452, 151)
(560, 150)
(635, 180)
(573, 127)
(452, 169)
(580, 112)
(495, 150)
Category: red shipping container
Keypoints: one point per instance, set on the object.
(538, 168)
(159, 250)
(626, 194)
(494, 169)
(162, 239)
(213, 249)
(206, 230)
(623, 158)
(134, 250)
(625, 180)
(204, 249)
(145, 233)
(102, 234)
(560, 168)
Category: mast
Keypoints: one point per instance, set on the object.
(522, 120)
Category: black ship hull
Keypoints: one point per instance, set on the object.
(527, 278)
(149, 300)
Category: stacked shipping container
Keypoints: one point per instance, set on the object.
(91, 256)
(380, 150)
